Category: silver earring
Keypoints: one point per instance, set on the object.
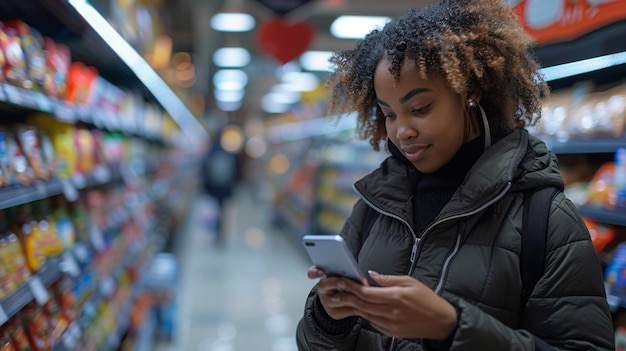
(471, 103)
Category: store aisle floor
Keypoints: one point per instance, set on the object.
(246, 294)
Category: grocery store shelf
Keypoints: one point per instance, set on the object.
(604, 215)
(94, 42)
(585, 146)
(16, 195)
(19, 99)
(33, 289)
(22, 194)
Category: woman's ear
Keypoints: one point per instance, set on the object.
(473, 96)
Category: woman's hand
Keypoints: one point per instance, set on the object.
(401, 306)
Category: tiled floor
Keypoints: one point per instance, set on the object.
(246, 294)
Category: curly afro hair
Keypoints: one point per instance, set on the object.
(477, 45)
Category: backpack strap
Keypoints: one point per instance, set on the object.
(537, 204)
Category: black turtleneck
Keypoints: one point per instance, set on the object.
(435, 189)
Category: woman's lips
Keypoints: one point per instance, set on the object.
(414, 153)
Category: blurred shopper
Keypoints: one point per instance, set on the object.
(220, 175)
(450, 88)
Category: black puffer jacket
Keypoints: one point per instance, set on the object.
(470, 256)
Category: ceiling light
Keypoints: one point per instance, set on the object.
(231, 57)
(316, 60)
(583, 66)
(228, 95)
(301, 81)
(270, 105)
(356, 27)
(280, 93)
(232, 22)
(228, 105)
(230, 79)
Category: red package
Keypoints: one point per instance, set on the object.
(34, 56)
(14, 67)
(58, 60)
(80, 81)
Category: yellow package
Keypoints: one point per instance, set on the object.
(62, 138)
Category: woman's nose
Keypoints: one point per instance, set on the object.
(405, 129)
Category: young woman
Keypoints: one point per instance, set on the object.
(450, 88)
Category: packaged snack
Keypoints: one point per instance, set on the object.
(65, 227)
(62, 138)
(34, 56)
(7, 281)
(601, 235)
(5, 342)
(58, 59)
(22, 225)
(47, 153)
(615, 274)
(28, 139)
(15, 65)
(66, 299)
(80, 80)
(84, 143)
(20, 168)
(37, 327)
(602, 187)
(5, 163)
(22, 273)
(46, 228)
(3, 58)
(58, 323)
(620, 178)
(18, 335)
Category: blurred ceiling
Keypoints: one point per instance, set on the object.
(188, 22)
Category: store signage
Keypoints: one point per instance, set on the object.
(550, 21)
(283, 40)
(283, 7)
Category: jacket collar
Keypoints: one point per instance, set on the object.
(518, 160)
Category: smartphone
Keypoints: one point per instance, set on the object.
(331, 254)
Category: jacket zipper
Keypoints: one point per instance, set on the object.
(461, 215)
(444, 271)
(419, 239)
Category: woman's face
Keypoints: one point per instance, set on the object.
(424, 118)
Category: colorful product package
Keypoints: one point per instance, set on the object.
(15, 64)
(23, 173)
(84, 143)
(34, 55)
(28, 138)
(58, 60)
(615, 273)
(18, 335)
(62, 139)
(80, 81)
(37, 327)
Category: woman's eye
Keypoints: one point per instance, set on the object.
(421, 109)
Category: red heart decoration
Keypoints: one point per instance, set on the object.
(285, 41)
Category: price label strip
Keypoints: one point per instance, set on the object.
(13, 94)
(64, 113)
(43, 103)
(69, 190)
(3, 316)
(38, 290)
(69, 265)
